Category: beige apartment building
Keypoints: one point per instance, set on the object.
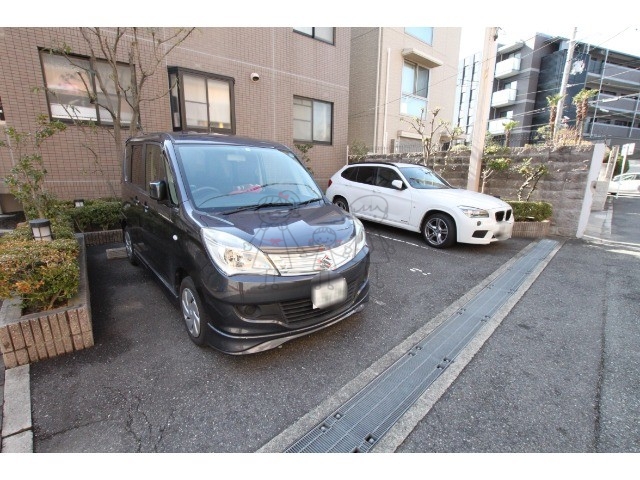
(290, 85)
(396, 73)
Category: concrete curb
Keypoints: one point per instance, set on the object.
(17, 429)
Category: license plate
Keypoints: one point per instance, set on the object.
(329, 293)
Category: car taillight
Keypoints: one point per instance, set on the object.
(329, 184)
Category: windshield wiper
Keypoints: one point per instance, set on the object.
(258, 207)
(306, 202)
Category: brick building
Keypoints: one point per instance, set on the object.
(289, 85)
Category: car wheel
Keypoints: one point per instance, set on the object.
(439, 230)
(342, 203)
(128, 245)
(192, 312)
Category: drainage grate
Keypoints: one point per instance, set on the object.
(360, 422)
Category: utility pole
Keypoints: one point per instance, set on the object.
(485, 89)
(565, 80)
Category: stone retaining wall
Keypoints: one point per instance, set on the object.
(563, 187)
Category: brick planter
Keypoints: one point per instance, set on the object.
(531, 229)
(104, 236)
(29, 338)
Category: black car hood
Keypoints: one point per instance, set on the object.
(287, 227)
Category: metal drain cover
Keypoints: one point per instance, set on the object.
(360, 422)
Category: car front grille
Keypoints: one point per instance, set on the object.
(503, 215)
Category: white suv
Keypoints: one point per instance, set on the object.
(415, 198)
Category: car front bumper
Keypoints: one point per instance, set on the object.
(253, 314)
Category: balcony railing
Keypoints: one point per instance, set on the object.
(614, 103)
(502, 98)
(507, 67)
(614, 74)
(496, 127)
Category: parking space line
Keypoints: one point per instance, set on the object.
(400, 241)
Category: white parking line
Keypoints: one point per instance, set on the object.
(401, 241)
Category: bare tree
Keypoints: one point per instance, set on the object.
(428, 130)
(145, 50)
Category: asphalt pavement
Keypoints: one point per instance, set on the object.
(558, 373)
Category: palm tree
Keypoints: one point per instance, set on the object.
(508, 126)
(581, 101)
(553, 101)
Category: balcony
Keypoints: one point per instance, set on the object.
(502, 98)
(615, 131)
(496, 127)
(614, 75)
(614, 103)
(507, 67)
(510, 47)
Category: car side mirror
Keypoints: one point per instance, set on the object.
(158, 190)
(398, 184)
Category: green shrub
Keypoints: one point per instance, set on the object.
(460, 148)
(44, 274)
(496, 150)
(530, 211)
(59, 230)
(94, 215)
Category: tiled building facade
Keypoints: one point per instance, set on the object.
(395, 72)
(282, 84)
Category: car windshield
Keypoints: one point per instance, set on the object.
(232, 177)
(423, 178)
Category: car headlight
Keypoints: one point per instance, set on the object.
(360, 237)
(473, 212)
(235, 255)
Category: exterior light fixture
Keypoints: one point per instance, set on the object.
(79, 202)
(41, 229)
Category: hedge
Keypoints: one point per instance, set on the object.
(44, 274)
(530, 211)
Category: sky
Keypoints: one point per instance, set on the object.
(544, 16)
(622, 38)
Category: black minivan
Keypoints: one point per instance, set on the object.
(243, 237)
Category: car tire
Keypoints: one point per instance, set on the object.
(439, 230)
(128, 246)
(192, 312)
(342, 203)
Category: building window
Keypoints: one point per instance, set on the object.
(201, 101)
(415, 88)
(325, 34)
(72, 91)
(421, 33)
(312, 120)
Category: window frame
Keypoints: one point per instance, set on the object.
(313, 34)
(177, 102)
(416, 67)
(144, 154)
(313, 141)
(66, 118)
(412, 31)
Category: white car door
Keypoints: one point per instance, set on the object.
(390, 204)
(358, 190)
